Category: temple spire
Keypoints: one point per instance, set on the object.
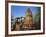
(28, 12)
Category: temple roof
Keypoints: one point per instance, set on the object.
(29, 11)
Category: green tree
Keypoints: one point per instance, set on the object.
(37, 19)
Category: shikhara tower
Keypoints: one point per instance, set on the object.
(28, 21)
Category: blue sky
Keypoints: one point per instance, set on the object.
(18, 11)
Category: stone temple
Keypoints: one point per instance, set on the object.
(28, 21)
